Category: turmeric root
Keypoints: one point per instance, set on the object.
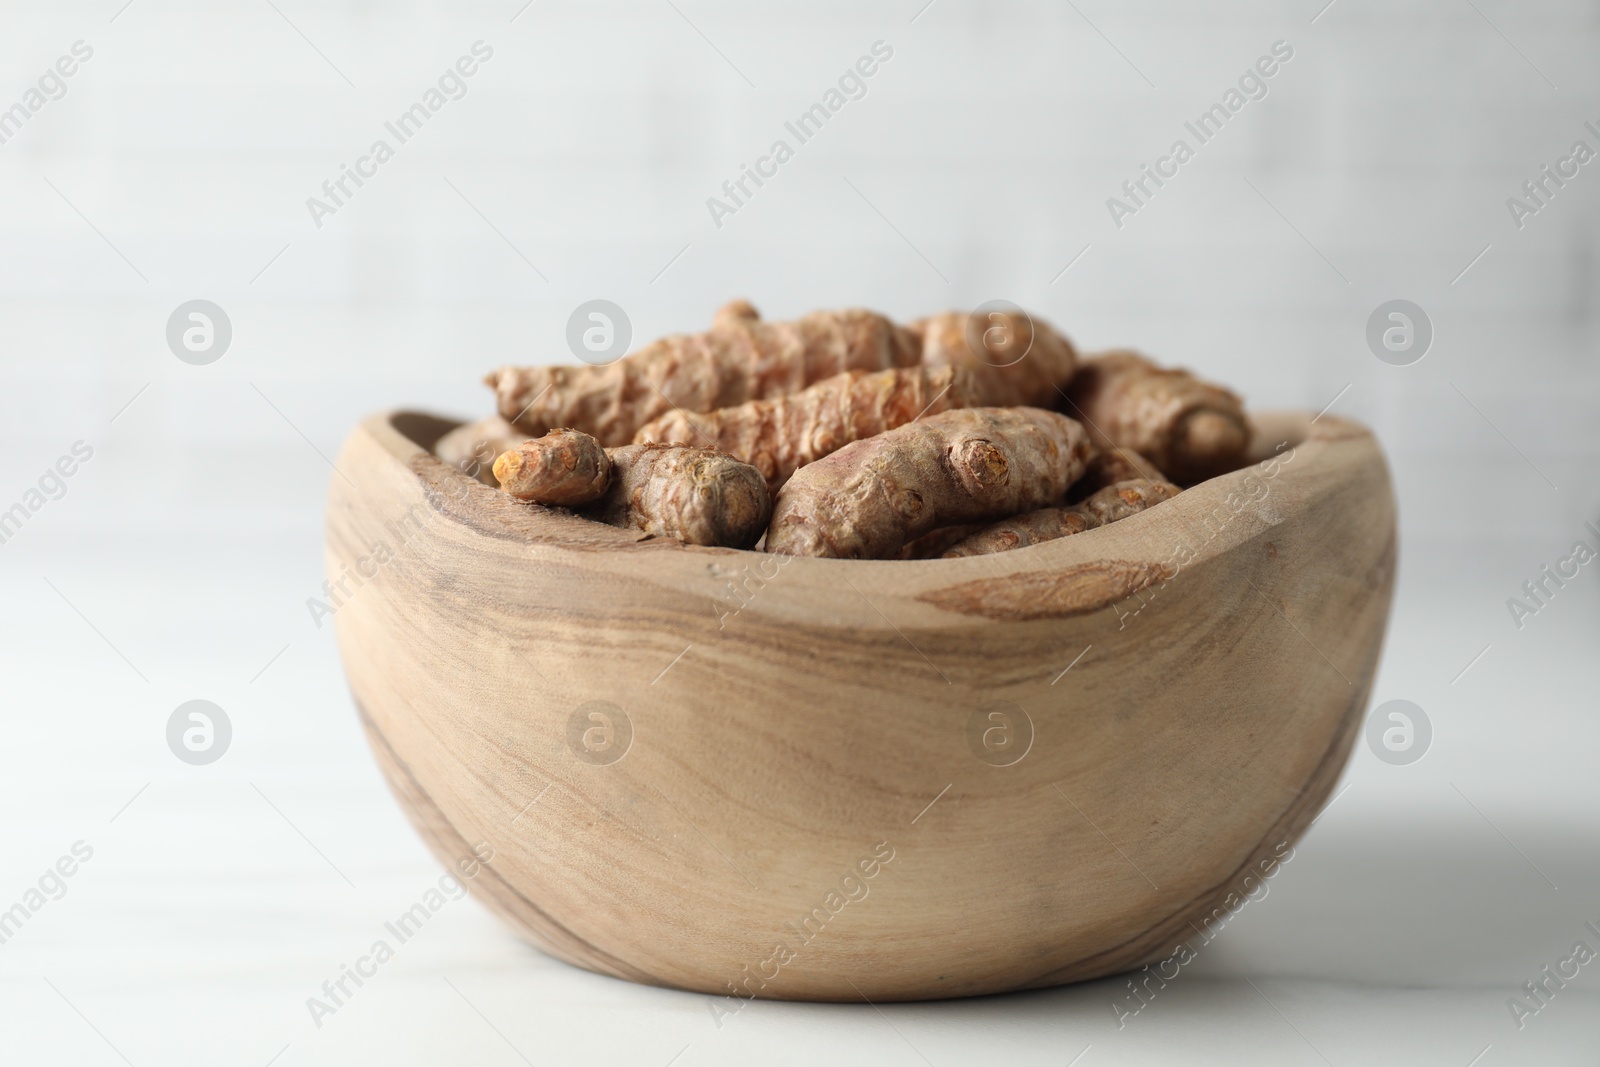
(783, 434)
(1116, 502)
(472, 447)
(1015, 360)
(740, 358)
(1193, 430)
(1109, 467)
(872, 497)
(1109, 505)
(698, 495)
(1020, 531)
(932, 544)
(564, 468)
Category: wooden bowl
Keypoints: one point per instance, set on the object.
(822, 779)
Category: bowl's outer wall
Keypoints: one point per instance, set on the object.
(813, 726)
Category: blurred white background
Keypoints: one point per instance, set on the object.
(177, 165)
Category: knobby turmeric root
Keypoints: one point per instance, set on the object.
(1191, 429)
(1109, 467)
(1020, 531)
(1111, 504)
(932, 544)
(872, 497)
(1116, 502)
(472, 447)
(740, 358)
(1015, 360)
(565, 468)
(697, 495)
(781, 435)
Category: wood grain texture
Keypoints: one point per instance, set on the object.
(789, 718)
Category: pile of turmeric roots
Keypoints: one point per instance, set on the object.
(843, 434)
